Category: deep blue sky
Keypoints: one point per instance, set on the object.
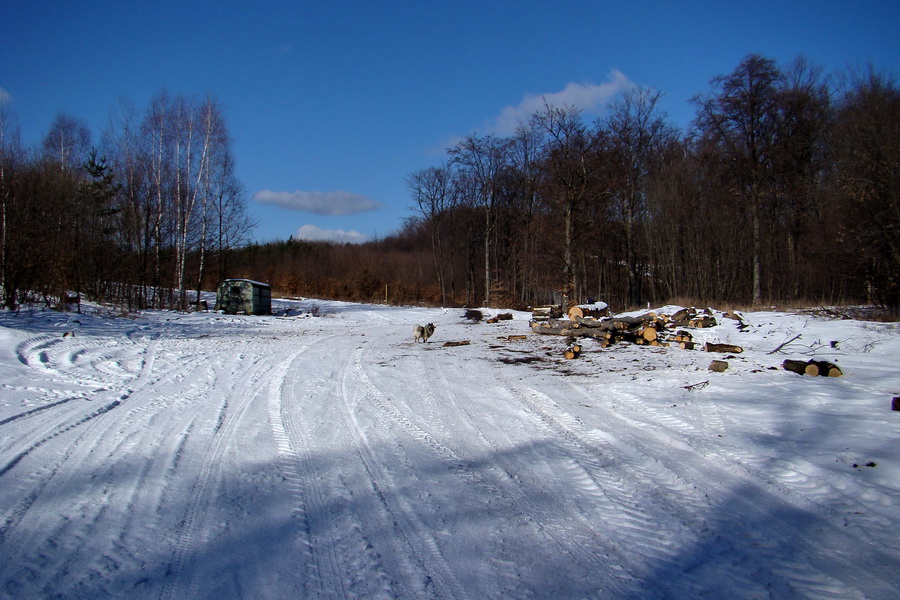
(331, 105)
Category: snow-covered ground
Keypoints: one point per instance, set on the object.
(201, 455)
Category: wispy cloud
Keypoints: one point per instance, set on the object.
(321, 203)
(5, 97)
(589, 97)
(313, 233)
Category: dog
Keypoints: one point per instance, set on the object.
(423, 333)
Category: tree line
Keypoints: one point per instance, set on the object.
(783, 188)
(137, 220)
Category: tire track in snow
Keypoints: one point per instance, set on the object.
(87, 360)
(580, 542)
(86, 449)
(698, 508)
(639, 532)
(325, 575)
(38, 409)
(79, 420)
(498, 481)
(191, 535)
(398, 513)
(795, 483)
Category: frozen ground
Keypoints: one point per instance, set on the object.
(210, 456)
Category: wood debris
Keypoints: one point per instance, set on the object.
(459, 343)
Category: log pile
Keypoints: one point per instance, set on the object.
(588, 310)
(649, 329)
(546, 313)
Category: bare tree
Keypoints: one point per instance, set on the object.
(867, 141)
(568, 170)
(435, 193)
(483, 159)
(637, 135)
(800, 161)
(11, 155)
(742, 118)
(68, 142)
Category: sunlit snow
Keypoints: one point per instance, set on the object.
(172, 455)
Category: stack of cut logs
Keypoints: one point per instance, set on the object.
(650, 329)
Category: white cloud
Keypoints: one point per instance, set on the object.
(313, 233)
(589, 97)
(321, 203)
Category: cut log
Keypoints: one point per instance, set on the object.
(795, 366)
(895, 403)
(726, 348)
(542, 313)
(588, 310)
(649, 333)
(555, 327)
(718, 366)
(682, 315)
(686, 345)
(702, 322)
(588, 321)
(813, 368)
(516, 337)
(572, 352)
(827, 369)
(459, 343)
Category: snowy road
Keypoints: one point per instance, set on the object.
(213, 456)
